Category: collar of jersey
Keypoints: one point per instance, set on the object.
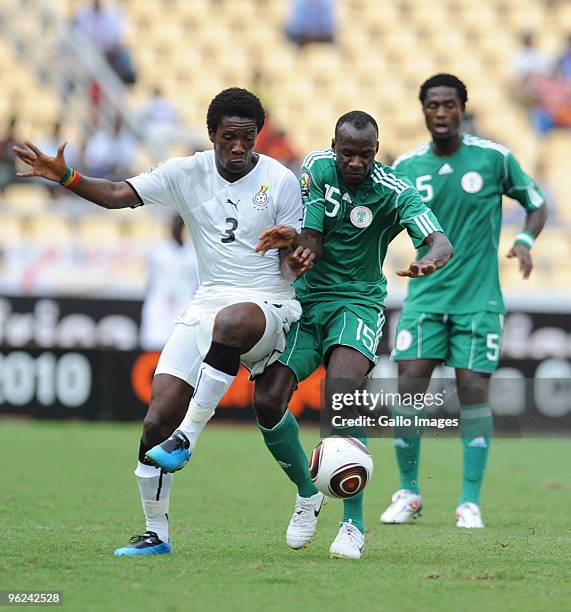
(242, 177)
(457, 152)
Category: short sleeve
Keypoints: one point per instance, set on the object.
(289, 208)
(313, 200)
(418, 220)
(158, 185)
(520, 186)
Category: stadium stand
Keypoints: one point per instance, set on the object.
(381, 54)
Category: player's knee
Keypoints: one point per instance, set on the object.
(472, 390)
(269, 408)
(238, 326)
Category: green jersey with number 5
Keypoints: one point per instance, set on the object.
(465, 191)
(357, 224)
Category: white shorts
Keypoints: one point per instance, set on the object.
(192, 334)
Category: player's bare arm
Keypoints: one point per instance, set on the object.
(108, 194)
(439, 253)
(534, 223)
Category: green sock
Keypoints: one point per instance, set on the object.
(476, 427)
(284, 444)
(353, 506)
(353, 511)
(407, 446)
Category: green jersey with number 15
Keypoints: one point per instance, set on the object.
(357, 223)
(465, 191)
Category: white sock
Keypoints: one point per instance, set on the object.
(155, 487)
(210, 389)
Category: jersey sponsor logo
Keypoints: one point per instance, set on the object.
(404, 340)
(472, 182)
(304, 182)
(361, 216)
(234, 204)
(261, 198)
(446, 169)
(347, 198)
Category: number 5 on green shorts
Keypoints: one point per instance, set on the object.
(470, 341)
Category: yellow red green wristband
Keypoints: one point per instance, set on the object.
(66, 176)
(525, 238)
(70, 178)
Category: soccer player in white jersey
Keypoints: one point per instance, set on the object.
(245, 303)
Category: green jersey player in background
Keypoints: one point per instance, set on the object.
(456, 316)
(354, 207)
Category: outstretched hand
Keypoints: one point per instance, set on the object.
(521, 252)
(418, 269)
(276, 237)
(44, 166)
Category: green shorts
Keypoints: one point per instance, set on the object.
(470, 341)
(324, 325)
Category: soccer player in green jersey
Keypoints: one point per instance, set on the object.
(354, 207)
(456, 316)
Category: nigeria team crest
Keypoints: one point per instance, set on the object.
(361, 216)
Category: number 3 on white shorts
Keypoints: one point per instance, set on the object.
(493, 343)
(365, 335)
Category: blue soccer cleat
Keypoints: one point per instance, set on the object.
(146, 544)
(171, 455)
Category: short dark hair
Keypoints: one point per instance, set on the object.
(358, 119)
(235, 102)
(444, 80)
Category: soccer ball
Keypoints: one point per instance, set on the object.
(340, 467)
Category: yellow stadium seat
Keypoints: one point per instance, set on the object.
(26, 197)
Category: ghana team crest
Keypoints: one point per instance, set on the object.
(361, 216)
(304, 182)
(261, 198)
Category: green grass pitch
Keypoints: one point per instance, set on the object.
(68, 498)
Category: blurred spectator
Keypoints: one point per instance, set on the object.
(311, 21)
(159, 118)
(159, 109)
(104, 26)
(540, 88)
(552, 108)
(110, 154)
(7, 157)
(172, 281)
(529, 60)
(274, 142)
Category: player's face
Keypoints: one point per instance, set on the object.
(234, 141)
(443, 112)
(355, 150)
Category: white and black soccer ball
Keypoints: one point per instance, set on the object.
(340, 467)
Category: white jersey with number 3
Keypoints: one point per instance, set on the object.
(225, 219)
